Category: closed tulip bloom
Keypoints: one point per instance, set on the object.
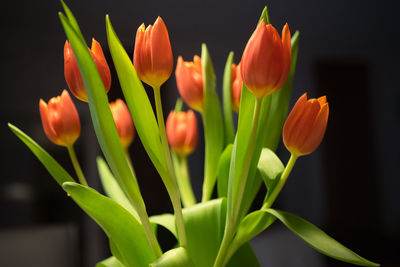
(189, 79)
(236, 87)
(73, 75)
(123, 122)
(182, 132)
(152, 57)
(60, 119)
(266, 60)
(305, 126)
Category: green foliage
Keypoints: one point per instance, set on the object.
(120, 226)
(212, 119)
(112, 189)
(110, 262)
(227, 101)
(59, 174)
(223, 171)
(318, 239)
(177, 257)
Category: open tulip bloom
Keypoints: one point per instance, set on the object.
(238, 161)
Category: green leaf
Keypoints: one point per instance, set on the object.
(177, 257)
(223, 171)
(72, 21)
(112, 189)
(318, 239)
(227, 100)
(212, 120)
(246, 110)
(204, 229)
(120, 226)
(244, 256)
(253, 224)
(280, 102)
(167, 221)
(270, 167)
(102, 119)
(56, 170)
(137, 101)
(110, 262)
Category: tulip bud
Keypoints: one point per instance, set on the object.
(266, 60)
(60, 119)
(182, 132)
(73, 75)
(236, 87)
(306, 124)
(123, 122)
(189, 79)
(152, 57)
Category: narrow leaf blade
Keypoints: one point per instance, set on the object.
(119, 225)
(56, 170)
(318, 239)
(227, 101)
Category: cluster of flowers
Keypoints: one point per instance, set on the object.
(263, 69)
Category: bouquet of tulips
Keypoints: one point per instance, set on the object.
(238, 162)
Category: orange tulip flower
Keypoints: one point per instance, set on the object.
(236, 87)
(60, 119)
(123, 122)
(182, 132)
(152, 57)
(189, 79)
(266, 60)
(306, 124)
(73, 75)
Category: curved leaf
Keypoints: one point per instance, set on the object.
(112, 189)
(244, 257)
(56, 170)
(177, 257)
(270, 168)
(110, 262)
(223, 171)
(318, 239)
(102, 119)
(167, 221)
(227, 100)
(120, 226)
(137, 101)
(212, 120)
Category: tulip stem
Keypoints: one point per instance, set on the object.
(183, 178)
(76, 165)
(233, 216)
(128, 158)
(171, 185)
(281, 183)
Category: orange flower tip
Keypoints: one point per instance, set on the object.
(142, 28)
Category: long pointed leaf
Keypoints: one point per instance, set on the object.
(119, 225)
(56, 170)
(227, 100)
(137, 101)
(318, 239)
(213, 130)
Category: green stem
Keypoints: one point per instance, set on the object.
(174, 191)
(76, 165)
(183, 179)
(128, 158)
(281, 183)
(232, 216)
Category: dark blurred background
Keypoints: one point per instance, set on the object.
(348, 187)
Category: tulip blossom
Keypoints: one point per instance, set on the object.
(266, 60)
(306, 124)
(189, 79)
(152, 57)
(236, 87)
(123, 122)
(60, 120)
(182, 132)
(73, 75)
